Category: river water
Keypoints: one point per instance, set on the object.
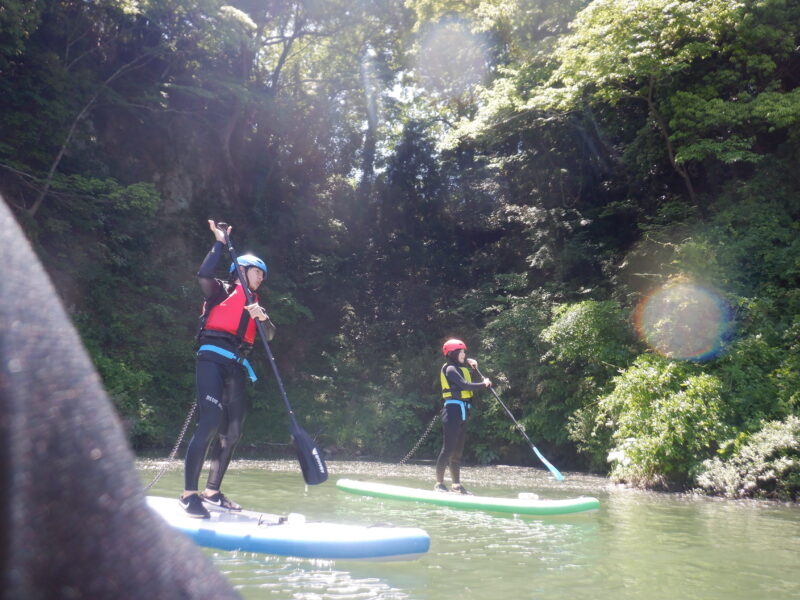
(639, 545)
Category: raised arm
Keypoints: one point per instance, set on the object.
(205, 276)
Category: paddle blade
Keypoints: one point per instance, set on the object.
(311, 462)
(556, 473)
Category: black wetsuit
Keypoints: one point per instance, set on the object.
(74, 522)
(454, 421)
(221, 400)
(222, 406)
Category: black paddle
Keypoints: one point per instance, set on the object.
(311, 462)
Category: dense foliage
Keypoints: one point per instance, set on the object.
(601, 197)
(766, 466)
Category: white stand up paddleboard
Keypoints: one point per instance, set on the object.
(292, 535)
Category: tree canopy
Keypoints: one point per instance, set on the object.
(600, 197)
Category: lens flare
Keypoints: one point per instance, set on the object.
(451, 60)
(684, 321)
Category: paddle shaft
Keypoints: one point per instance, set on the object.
(556, 473)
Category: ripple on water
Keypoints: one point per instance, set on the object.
(295, 578)
(639, 545)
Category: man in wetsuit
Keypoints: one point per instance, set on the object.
(227, 333)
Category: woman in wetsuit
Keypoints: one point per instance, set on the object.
(227, 333)
(457, 390)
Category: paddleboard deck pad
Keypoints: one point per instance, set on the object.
(264, 533)
(519, 506)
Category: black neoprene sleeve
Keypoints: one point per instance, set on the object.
(211, 260)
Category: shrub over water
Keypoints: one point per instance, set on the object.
(765, 466)
(664, 416)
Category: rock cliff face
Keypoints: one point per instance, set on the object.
(179, 155)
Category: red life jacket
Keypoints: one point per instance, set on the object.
(229, 315)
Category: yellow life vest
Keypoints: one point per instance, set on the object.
(447, 393)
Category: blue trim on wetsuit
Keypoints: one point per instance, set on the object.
(228, 354)
(464, 407)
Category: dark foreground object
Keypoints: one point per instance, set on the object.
(75, 523)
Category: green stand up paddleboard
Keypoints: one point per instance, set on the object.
(519, 506)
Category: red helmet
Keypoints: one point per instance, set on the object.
(453, 344)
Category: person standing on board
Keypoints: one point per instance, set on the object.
(227, 333)
(457, 389)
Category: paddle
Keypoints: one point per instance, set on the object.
(311, 462)
(556, 473)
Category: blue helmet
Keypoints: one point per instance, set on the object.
(248, 260)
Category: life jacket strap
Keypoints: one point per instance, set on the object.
(228, 354)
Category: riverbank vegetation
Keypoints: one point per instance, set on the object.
(601, 198)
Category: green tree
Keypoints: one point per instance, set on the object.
(708, 73)
(666, 417)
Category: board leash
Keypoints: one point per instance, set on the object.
(172, 454)
(422, 439)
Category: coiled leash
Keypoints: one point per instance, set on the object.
(174, 448)
(422, 439)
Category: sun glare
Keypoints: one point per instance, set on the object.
(451, 59)
(684, 321)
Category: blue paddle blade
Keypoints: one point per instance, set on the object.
(312, 464)
(556, 473)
